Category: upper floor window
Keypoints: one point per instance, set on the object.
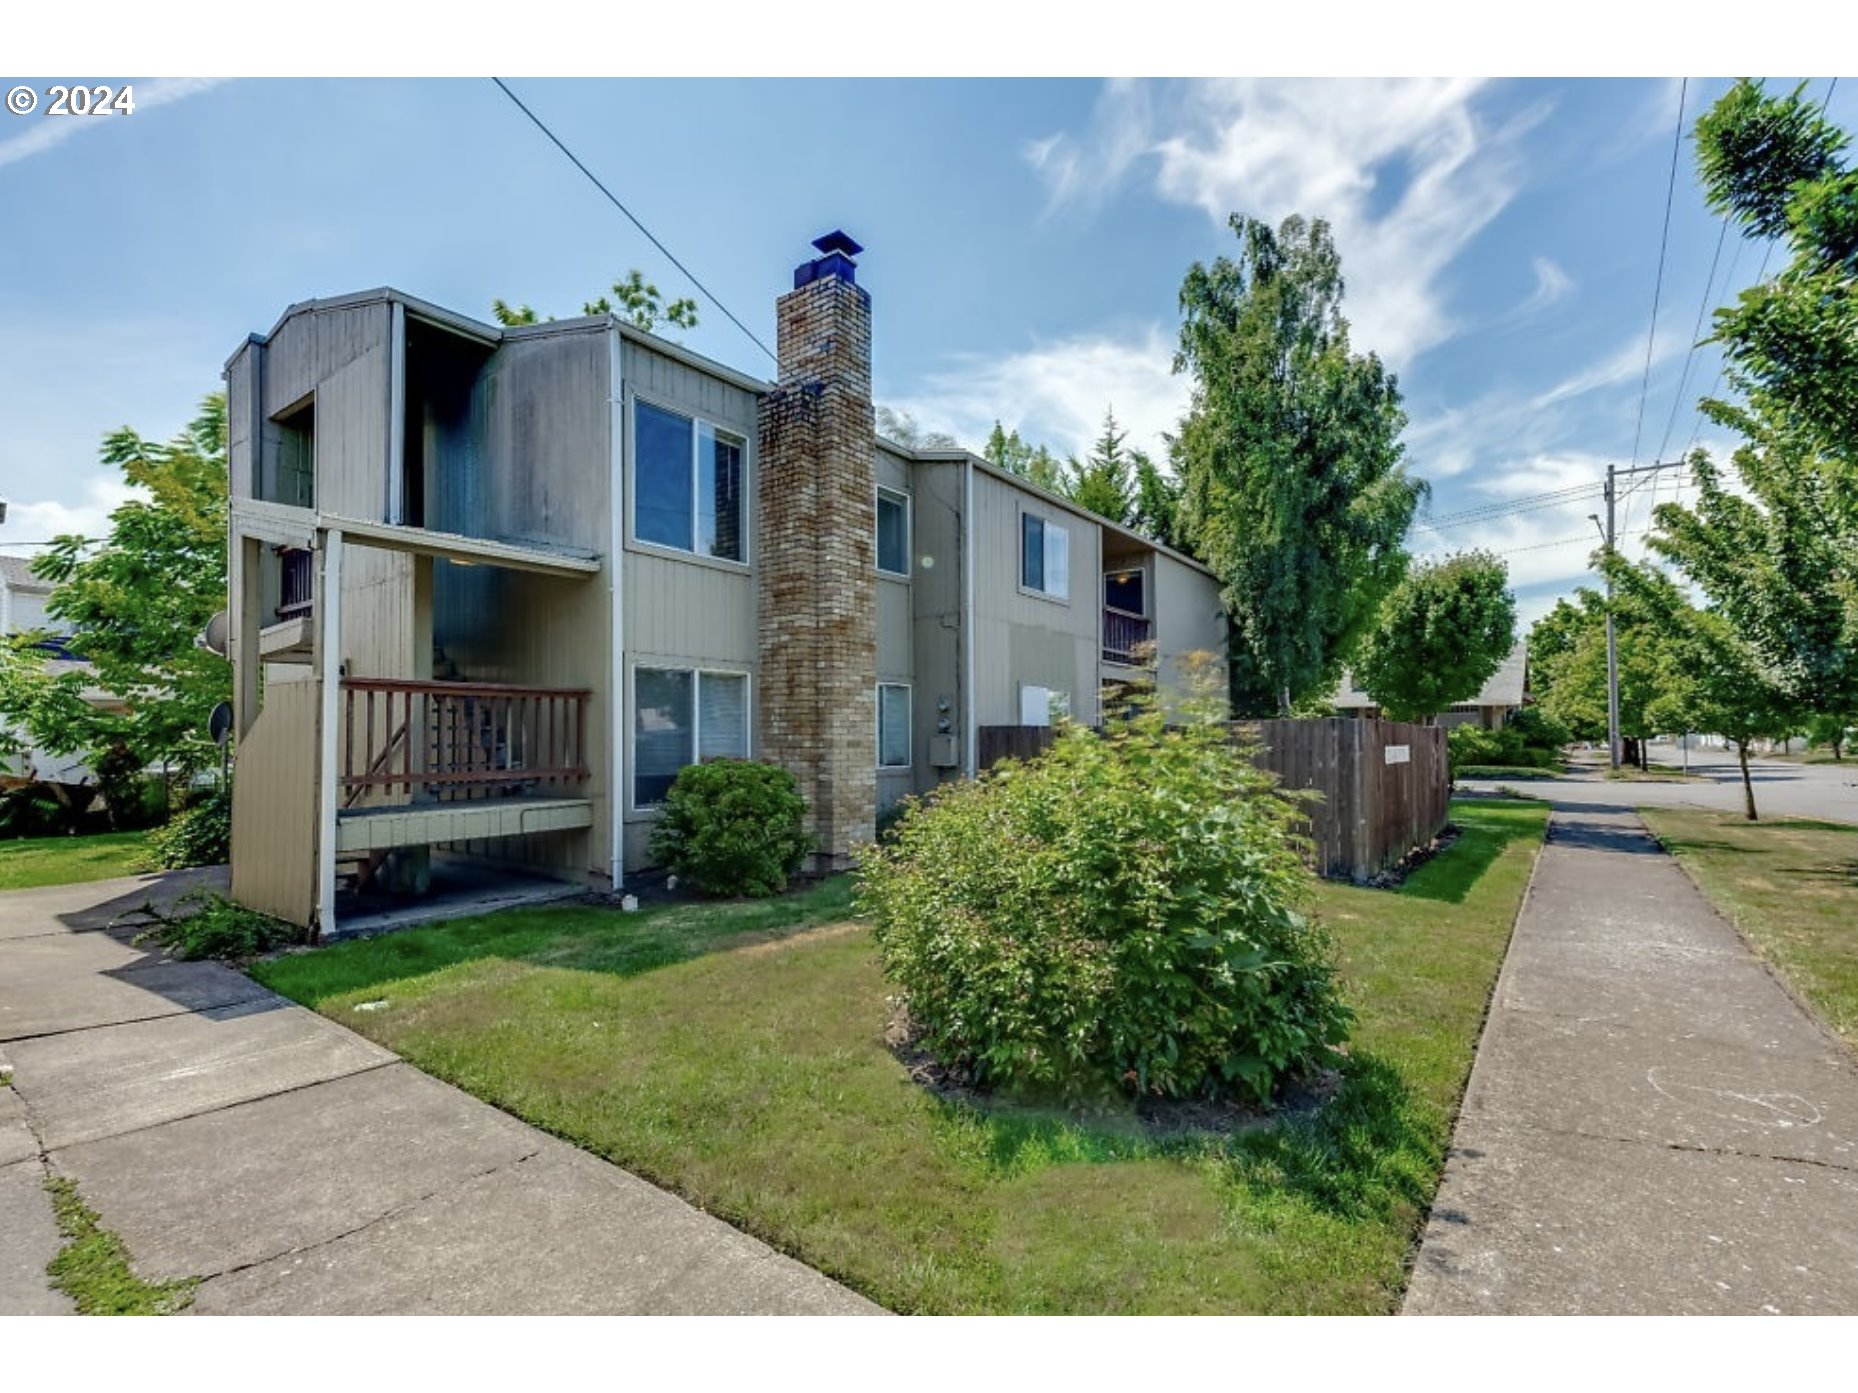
(687, 484)
(1044, 556)
(893, 532)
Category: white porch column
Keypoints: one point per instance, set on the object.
(328, 613)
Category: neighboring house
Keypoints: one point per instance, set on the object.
(492, 588)
(22, 610)
(1502, 696)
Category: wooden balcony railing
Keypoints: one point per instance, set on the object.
(1124, 636)
(299, 589)
(458, 740)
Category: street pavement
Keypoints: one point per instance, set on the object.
(1653, 1125)
(1782, 788)
(227, 1134)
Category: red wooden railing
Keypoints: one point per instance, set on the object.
(1123, 634)
(456, 740)
(299, 586)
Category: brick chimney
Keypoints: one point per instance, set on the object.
(815, 553)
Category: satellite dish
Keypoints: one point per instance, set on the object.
(214, 636)
(219, 724)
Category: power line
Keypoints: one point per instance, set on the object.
(1496, 513)
(1651, 336)
(612, 198)
(1664, 237)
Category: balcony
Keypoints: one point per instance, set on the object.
(426, 762)
(1127, 638)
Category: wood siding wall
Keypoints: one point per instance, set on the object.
(1371, 813)
(274, 805)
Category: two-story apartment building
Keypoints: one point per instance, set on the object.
(492, 587)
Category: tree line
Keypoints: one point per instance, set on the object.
(1753, 633)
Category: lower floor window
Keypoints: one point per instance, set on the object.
(1041, 706)
(682, 716)
(893, 725)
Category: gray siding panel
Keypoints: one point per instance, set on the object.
(1028, 639)
(935, 604)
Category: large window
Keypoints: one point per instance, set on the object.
(687, 484)
(679, 717)
(1044, 556)
(893, 532)
(893, 725)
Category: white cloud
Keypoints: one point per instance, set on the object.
(42, 519)
(1326, 149)
(45, 132)
(1055, 393)
(1552, 285)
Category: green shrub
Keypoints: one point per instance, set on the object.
(41, 810)
(206, 925)
(1511, 746)
(1119, 914)
(1540, 731)
(201, 836)
(733, 827)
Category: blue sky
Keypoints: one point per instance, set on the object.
(1026, 242)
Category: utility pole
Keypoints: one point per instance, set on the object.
(1612, 645)
(1612, 640)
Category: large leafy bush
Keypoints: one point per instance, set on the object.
(1119, 914)
(733, 827)
(200, 836)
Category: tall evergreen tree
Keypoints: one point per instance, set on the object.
(1103, 482)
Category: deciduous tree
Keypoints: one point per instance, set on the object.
(1293, 487)
(1442, 634)
(133, 607)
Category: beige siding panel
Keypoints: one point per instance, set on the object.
(680, 387)
(274, 806)
(378, 614)
(351, 438)
(1188, 615)
(1021, 637)
(687, 609)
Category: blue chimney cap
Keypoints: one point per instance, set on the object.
(837, 241)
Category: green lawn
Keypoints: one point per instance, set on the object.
(1790, 885)
(715, 1051)
(35, 861)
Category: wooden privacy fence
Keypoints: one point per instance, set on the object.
(1384, 784)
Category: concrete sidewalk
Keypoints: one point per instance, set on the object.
(1653, 1125)
(227, 1134)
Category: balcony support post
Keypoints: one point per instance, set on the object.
(328, 625)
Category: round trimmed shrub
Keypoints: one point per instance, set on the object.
(1119, 914)
(733, 827)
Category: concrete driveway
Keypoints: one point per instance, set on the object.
(227, 1134)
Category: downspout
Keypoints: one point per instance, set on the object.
(615, 584)
(970, 717)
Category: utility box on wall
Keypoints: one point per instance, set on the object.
(944, 752)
